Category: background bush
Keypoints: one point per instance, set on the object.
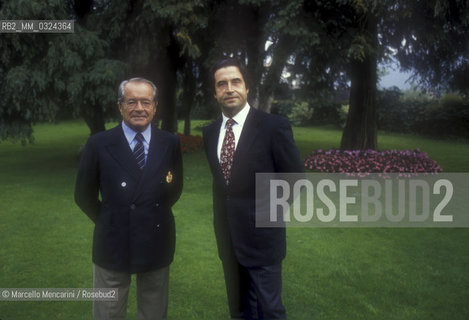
(422, 114)
(300, 114)
(315, 112)
(412, 111)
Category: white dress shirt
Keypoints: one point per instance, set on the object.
(239, 119)
(130, 136)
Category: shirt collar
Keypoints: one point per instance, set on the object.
(130, 133)
(239, 118)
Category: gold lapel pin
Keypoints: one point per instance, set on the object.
(169, 177)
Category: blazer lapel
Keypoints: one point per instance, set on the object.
(121, 152)
(156, 153)
(248, 135)
(213, 137)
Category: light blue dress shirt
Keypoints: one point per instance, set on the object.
(130, 136)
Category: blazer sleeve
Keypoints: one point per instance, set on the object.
(176, 188)
(205, 137)
(87, 182)
(285, 152)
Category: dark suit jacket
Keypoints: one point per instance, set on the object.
(266, 145)
(134, 226)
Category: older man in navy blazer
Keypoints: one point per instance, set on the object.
(128, 179)
(241, 143)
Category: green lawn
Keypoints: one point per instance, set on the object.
(328, 273)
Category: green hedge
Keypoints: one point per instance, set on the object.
(448, 116)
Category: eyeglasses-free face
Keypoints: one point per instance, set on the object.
(230, 90)
(138, 107)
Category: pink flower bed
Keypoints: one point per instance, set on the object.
(371, 161)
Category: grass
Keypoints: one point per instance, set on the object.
(328, 273)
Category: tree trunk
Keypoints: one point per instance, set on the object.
(94, 119)
(255, 49)
(266, 92)
(360, 132)
(167, 80)
(188, 96)
(167, 104)
(255, 68)
(93, 116)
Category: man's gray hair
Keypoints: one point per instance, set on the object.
(121, 93)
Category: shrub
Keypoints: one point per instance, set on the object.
(328, 112)
(371, 161)
(396, 114)
(343, 114)
(451, 102)
(282, 107)
(449, 117)
(315, 112)
(415, 112)
(300, 114)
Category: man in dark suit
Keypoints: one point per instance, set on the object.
(128, 179)
(241, 143)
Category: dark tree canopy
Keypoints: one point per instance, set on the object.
(324, 45)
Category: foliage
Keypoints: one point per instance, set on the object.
(371, 161)
(358, 35)
(190, 143)
(328, 112)
(392, 110)
(434, 42)
(449, 117)
(300, 114)
(282, 107)
(451, 101)
(51, 74)
(315, 111)
(24, 86)
(319, 46)
(419, 114)
(414, 93)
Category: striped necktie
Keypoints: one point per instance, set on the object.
(139, 151)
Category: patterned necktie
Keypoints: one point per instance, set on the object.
(227, 150)
(139, 151)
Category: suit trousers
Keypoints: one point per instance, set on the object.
(253, 292)
(152, 294)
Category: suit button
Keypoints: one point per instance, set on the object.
(157, 205)
(132, 206)
(158, 225)
(123, 184)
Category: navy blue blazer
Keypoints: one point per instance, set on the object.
(134, 225)
(266, 145)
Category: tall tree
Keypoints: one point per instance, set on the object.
(324, 44)
(430, 37)
(51, 74)
(360, 130)
(46, 74)
(432, 40)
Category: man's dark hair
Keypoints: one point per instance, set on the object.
(230, 62)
